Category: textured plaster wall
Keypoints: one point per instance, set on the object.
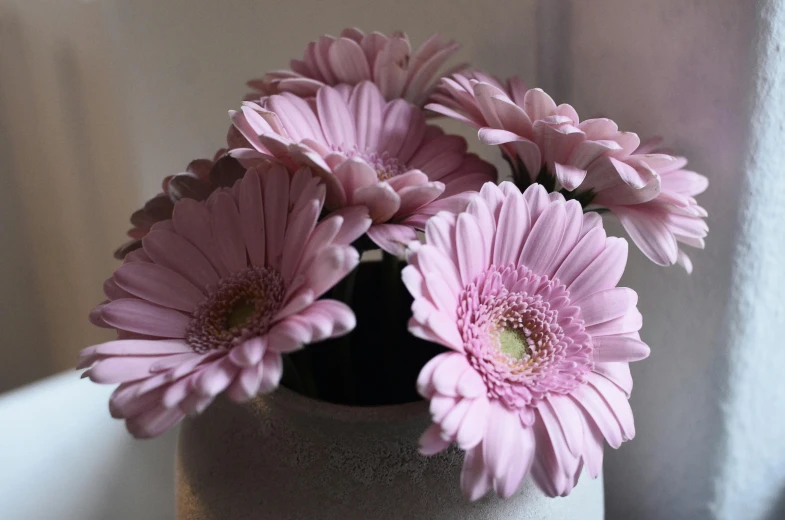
(751, 481)
(710, 400)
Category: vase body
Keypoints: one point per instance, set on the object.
(288, 457)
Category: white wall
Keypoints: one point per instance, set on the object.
(709, 402)
(158, 76)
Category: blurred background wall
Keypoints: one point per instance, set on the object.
(99, 100)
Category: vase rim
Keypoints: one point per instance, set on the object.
(381, 413)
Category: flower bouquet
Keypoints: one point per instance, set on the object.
(343, 246)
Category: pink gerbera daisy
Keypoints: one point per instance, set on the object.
(368, 151)
(218, 293)
(200, 178)
(601, 166)
(522, 289)
(387, 60)
(543, 142)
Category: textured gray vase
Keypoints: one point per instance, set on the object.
(288, 457)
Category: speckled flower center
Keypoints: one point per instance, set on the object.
(240, 307)
(523, 335)
(385, 165)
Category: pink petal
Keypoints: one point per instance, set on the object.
(402, 130)
(431, 441)
(409, 178)
(414, 197)
(272, 372)
(192, 221)
(542, 244)
(335, 118)
(536, 199)
(392, 238)
(570, 177)
(135, 347)
(176, 253)
(227, 231)
(440, 156)
(501, 436)
(617, 402)
(650, 233)
(452, 421)
(356, 221)
(603, 272)
(249, 353)
(486, 222)
(348, 61)
(475, 477)
(607, 305)
(617, 373)
(582, 255)
(629, 322)
(296, 303)
(145, 318)
(366, 104)
(592, 447)
(619, 348)
(510, 482)
(381, 200)
(538, 104)
(471, 385)
(276, 198)
(298, 230)
(574, 221)
(158, 285)
(448, 373)
(471, 259)
(121, 369)
(252, 216)
(472, 428)
(446, 331)
(153, 422)
(216, 377)
(598, 413)
(424, 385)
(354, 174)
(330, 266)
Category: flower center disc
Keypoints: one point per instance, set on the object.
(514, 343)
(242, 306)
(523, 335)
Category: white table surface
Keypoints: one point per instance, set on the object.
(62, 457)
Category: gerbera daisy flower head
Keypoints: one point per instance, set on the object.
(354, 57)
(368, 151)
(218, 293)
(200, 178)
(543, 142)
(521, 288)
(601, 166)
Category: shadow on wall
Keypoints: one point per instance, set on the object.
(24, 346)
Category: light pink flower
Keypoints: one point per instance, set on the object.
(522, 289)
(354, 57)
(200, 178)
(543, 142)
(659, 225)
(601, 166)
(368, 151)
(218, 293)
